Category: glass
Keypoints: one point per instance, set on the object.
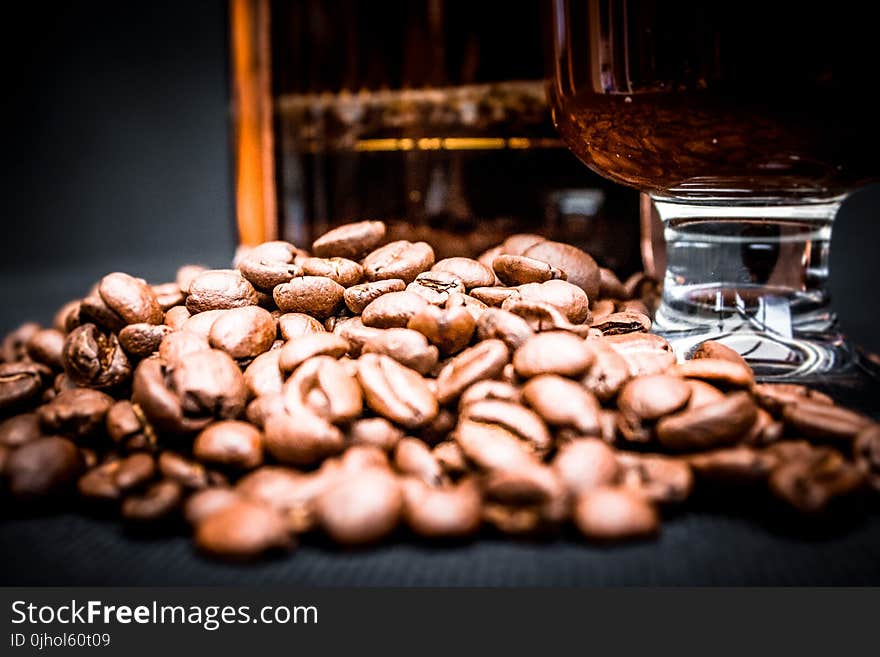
(428, 114)
(747, 124)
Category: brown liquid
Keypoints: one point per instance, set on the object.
(720, 100)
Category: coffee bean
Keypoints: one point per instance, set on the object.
(14, 345)
(201, 323)
(623, 322)
(497, 324)
(435, 287)
(343, 271)
(580, 268)
(242, 530)
(658, 478)
(21, 384)
(94, 358)
(141, 340)
(300, 437)
(125, 425)
(47, 346)
(449, 512)
(518, 420)
(717, 371)
(376, 432)
(130, 298)
(450, 457)
(187, 473)
(396, 392)
(585, 464)
(185, 275)
(644, 353)
(651, 397)
(401, 259)
(408, 347)
(450, 330)
(563, 403)
(20, 429)
(358, 297)
(325, 387)
(296, 325)
(350, 241)
(764, 431)
(220, 289)
(824, 421)
(42, 468)
(543, 316)
(518, 270)
(610, 286)
(230, 443)
(168, 295)
(608, 372)
(176, 346)
(774, 396)
(811, 484)
(315, 295)
(470, 272)
(489, 390)
(263, 406)
(413, 458)
(554, 352)
(866, 450)
(709, 426)
(77, 413)
(717, 350)
(134, 471)
(393, 309)
(703, 393)
(494, 296)
(739, 464)
(492, 447)
(263, 376)
(243, 332)
(614, 514)
(566, 297)
(485, 360)
(99, 483)
(361, 508)
(295, 352)
(206, 502)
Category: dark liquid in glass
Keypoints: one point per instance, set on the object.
(720, 100)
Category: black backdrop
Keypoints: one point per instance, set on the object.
(116, 156)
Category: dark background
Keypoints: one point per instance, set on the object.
(117, 157)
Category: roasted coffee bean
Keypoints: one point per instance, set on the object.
(242, 530)
(175, 347)
(201, 323)
(243, 332)
(289, 492)
(703, 393)
(717, 350)
(263, 376)
(206, 502)
(569, 299)
(494, 296)
(449, 512)
(42, 468)
(516, 270)
(357, 335)
(66, 318)
(563, 403)
(187, 473)
(297, 351)
(408, 347)
(396, 392)
(350, 241)
(47, 347)
(264, 406)
(360, 457)
(450, 457)
(130, 298)
(99, 483)
(764, 431)
(866, 450)
(530, 520)
(553, 352)
(503, 325)
(471, 273)
(230, 443)
(708, 426)
(661, 479)
(21, 384)
(400, 259)
(580, 268)
(492, 447)
(94, 358)
(301, 437)
(608, 372)
(126, 425)
(536, 484)
(543, 316)
(168, 295)
(296, 325)
(774, 396)
(522, 422)
(601, 309)
(819, 421)
(343, 271)
(393, 309)
(623, 322)
(362, 507)
(220, 289)
(315, 295)
(435, 287)
(610, 286)
(485, 360)
(93, 310)
(718, 372)
(185, 275)
(20, 429)
(358, 297)
(14, 345)
(585, 464)
(412, 457)
(809, 485)
(270, 264)
(134, 471)
(141, 340)
(325, 387)
(375, 432)
(449, 330)
(739, 464)
(489, 390)
(614, 514)
(651, 397)
(77, 413)
(644, 353)
(641, 286)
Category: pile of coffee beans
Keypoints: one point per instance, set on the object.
(364, 388)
